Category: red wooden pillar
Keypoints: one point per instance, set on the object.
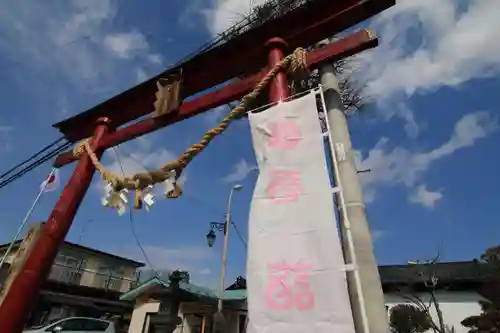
(278, 89)
(25, 289)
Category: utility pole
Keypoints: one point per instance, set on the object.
(219, 322)
(365, 289)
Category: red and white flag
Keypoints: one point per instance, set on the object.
(51, 183)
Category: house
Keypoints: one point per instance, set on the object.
(456, 289)
(456, 293)
(196, 307)
(83, 281)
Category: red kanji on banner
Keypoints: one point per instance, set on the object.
(285, 134)
(285, 186)
(289, 287)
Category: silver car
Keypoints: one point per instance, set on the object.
(74, 325)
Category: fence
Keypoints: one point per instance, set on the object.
(89, 278)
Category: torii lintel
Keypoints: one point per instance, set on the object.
(339, 49)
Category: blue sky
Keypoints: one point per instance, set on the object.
(429, 133)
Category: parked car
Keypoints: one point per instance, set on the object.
(76, 324)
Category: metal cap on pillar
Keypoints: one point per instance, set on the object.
(106, 122)
(277, 42)
(103, 121)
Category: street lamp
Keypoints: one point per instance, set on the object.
(211, 236)
(222, 227)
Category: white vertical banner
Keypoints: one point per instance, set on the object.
(295, 269)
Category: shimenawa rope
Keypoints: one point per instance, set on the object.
(296, 65)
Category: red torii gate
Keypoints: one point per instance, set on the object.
(246, 53)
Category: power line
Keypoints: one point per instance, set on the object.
(236, 29)
(47, 147)
(131, 219)
(203, 48)
(213, 209)
(239, 235)
(35, 164)
(247, 21)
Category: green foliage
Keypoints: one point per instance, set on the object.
(488, 321)
(163, 275)
(407, 318)
(178, 275)
(185, 276)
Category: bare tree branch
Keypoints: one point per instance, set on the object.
(427, 275)
(350, 90)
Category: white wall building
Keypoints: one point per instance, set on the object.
(456, 293)
(455, 306)
(456, 288)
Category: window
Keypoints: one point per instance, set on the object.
(101, 278)
(67, 269)
(109, 277)
(96, 326)
(72, 325)
(115, 278)
(4, 273)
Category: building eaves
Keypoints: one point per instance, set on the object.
(88, 249)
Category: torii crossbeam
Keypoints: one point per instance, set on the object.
(244, 54)
(342, 48)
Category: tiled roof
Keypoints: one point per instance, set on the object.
(89, 249)
(451, 272)
(462, 271)
(155, 282)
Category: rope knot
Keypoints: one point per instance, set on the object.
(298, 64)
(79, 148)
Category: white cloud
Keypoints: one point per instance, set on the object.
(144, 142)
(377, 234)
(429, 44)
(126, 45)
(205, 271)
(400, 166)
(132, 162)
(191, 258)
(5, 129)
(424, 197)
(214, 116)
(5, 132)
(141, 75)
(424, 45)
(69, 48)
(155, 59)
(183, 258)
(225, 13)
(139, 161)
(387, 110)
(240, 171)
